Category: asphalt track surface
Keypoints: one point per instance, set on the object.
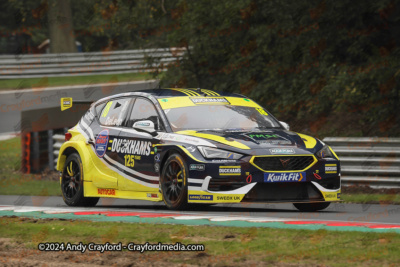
(14, 101)
(366, 213)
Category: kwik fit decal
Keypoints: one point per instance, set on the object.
(284, 177)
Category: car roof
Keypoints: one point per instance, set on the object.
(154, 94)
(176, 92)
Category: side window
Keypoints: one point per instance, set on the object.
(114, 112)
(145, 110)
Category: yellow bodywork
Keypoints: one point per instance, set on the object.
(98, 176)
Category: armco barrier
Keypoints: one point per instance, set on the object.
(374, 162)
(76, 64)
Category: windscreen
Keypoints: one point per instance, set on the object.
(219, 117)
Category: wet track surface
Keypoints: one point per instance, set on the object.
(366, 213)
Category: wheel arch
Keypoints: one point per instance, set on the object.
(167, 154)
(69, 148)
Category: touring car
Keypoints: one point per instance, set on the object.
(193, 146)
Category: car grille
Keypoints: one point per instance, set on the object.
(287, 163)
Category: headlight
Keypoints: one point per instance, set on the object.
(214, 153)
(325, 152)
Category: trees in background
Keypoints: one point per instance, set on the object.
(327, 67)
(61, 31)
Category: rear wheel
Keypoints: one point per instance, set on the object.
(174, 182)
(72, 183)
(308, 207)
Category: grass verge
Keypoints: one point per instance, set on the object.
(224, 246)
(73, 80)
(13, 182)
(371, 198)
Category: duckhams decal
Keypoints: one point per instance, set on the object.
(330, 168)
(208, 100)
(101, 143)
(230, 170)
(131, 146)
(284, 177)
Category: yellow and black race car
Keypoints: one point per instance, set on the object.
(185, 146)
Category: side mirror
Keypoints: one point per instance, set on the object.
(285, 125)
(146, 125)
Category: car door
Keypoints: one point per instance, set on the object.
(136, 146)
(111, 115)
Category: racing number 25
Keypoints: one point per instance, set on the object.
(129, 160)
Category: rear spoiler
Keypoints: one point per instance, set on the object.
(66, 102)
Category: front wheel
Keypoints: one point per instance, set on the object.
(72, 183)
(174, 182)
(309, 207)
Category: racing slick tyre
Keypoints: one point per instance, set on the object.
(72, 183)
(174, 186)
(309, 207)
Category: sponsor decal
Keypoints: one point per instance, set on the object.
(151, 195)
(222, 160)
(108, 192)
(230, 170)
(330, 168)
(157, 157)
(66, 103)
(201, 197)
(155, 149)
(113, 121)
(281, 151)
(131, 146)
(260, 136)
(330, 195)
(157, 167)
(197, 167)
(272, 139)
(101, 143)
(207, 100)
(284, 177)
(143, 124)
(191, 140)
(227, 198)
